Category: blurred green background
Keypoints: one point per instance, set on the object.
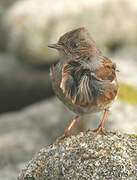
(31, 116)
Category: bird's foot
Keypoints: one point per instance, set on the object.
(66, 133)
(98, 130)
(62, 137)
(100, 127)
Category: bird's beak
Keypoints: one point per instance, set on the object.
(56, 46)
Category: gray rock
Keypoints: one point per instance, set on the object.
(81, 157)
(31, 25)
(4, 5)
(21, 84)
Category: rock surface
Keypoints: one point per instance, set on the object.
(81, 157)
(32, 25)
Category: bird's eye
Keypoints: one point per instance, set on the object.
(75, 45)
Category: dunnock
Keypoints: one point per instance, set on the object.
(84, 80)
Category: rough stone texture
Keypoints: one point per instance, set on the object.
(21, 84)
(81, 157)
(32, 25)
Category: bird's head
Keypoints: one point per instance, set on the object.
(75, 43)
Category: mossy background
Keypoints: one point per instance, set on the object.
(127, 93)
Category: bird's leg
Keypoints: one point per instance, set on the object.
(67, 130)
(100, 127)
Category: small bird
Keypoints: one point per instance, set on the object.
(84, 80)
